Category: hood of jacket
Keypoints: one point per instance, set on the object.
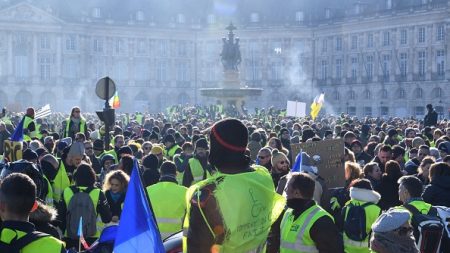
(43, 214)
(364, 195)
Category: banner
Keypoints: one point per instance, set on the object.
(328, 156)
(296, 109)
(12, 150)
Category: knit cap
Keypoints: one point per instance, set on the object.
(390, 220)
(77, 149)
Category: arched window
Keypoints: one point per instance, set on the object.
(437, 93)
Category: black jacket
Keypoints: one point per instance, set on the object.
(323, 232)
(430, 119)
(363, 156)
(115, 206)
(388, 190)
(437, 192)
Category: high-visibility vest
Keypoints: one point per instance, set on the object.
(197, 170)
(372, 213)
(49, 196)
(48, 244)
(180, 175)
(139, 118)
(169, 206)
(82, 127)
(253, 193)
(420, 205)
(60, 182)
(94, 195)
(295, 234)
(26, 122)
(171, 152)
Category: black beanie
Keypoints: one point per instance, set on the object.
(150, 162)
(98, 145)
(169, 138)
(125, 150)
(229, 138)
(201, 143)
(29, 154)
(154, 135)
(146, 133)
(363, 184)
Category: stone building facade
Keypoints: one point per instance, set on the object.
(388, 60)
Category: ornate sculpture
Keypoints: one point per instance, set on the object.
(231, 55)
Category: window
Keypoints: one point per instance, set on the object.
(386, 38)
(44, 67)
(140, 16)
(401, 93)
(403, 64)
(161, 71)
(440, 62)
(384, 111)
(99, 67)
(120, 70)
(440, 33)
(354, 42)
(370, 40)
(254, 17)
(324, 70)
(141, 47)
(338, 44)
(403, 37)
(71, 43)
(120, 46)
(338, 68)
(368, 111)
(181, 19)
(418, 93)
(324, 45)
(45, 42)
(337, 96)
(276, 70)
(367, 94)
(210, 72)
(369, 67)
(421, 64)
(386, 66)
(419, 111)
(96, 13)
(211, 19)
(21, 66)
(254, 69)
(352, 95)
(98, 45)
(182, 69)
(182, 48)
(354, 70)
(163, 48)
(421, 38)
(142, 71)
(384, 94)
(437, 92)
(71, 68)
(299, 16)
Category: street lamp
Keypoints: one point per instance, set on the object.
(346, 103)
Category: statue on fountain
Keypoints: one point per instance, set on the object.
(231, 54)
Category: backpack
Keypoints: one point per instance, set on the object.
(355, 223)
(81, 205)
(428, 229)
(444, 214)
(17, 245)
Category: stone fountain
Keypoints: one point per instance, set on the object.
(231, 91)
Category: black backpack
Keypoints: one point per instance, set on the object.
(355, 222)
(428, 229)
(17, 245)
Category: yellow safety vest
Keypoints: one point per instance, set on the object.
(295, 237)
(26, 122)
(169, 206)
(82, 126)
(197, 170)
(47, 244)
(372, 213)
(60, 182)
(139, 118)
(169, 154)
(420, 205)
(95, 195)
(180, 175)
(253, 194)
(49, 196)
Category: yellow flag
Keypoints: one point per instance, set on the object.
(317, 105)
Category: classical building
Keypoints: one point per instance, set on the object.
(373, 57)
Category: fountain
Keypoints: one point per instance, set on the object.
(231, 90)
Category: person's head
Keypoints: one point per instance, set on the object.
(384, 154)
(168, 170)
(356, 147)
(389, 229)
(398, 154)
(146, 147)
(126, 164)
(106, 161)
(201, 148)
(275, 143)
(424, 151)
(119, 141)
(84, 175)
(429, 107)
(440, 169)
(413, 153)
(80, 137)
(116, 181)
(229, 139)
(284, 134)
(98, 146)
(393, 170)
(349, 137)
(300, 186)
(409, 187)
(444, 148)
(187, 148)
(280, 162)
(352, 171)
(17, 197)
(424, 167)
(410, 133)
(264, 156)
(372, 170)
(76, 154)
(157, 151)
(168, 141)
(89, 148)
(76, 112)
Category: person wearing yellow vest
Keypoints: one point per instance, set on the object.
(29, 126)
(234, 209)
(198, 167)
(305, 226)
(139, 118)
(75, 124)
(171, 148)
(168, 200)
(17, 201)
(181, 160)
(361, 209)
(85, 179)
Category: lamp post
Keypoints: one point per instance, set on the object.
(346, 103)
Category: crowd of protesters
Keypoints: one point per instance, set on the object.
(391, 164)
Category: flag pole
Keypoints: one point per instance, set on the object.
(79, 244)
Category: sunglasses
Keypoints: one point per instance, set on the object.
(88, 148)
(76, 111)
(284, 162)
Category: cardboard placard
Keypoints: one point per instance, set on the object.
(12, 150)
(330, 162)
(296, 109)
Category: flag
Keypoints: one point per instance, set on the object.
(80, 234)
(137, 230)
(18, 132)
(114, 102)
(298, 163)
(317, 105)
(42, 112)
